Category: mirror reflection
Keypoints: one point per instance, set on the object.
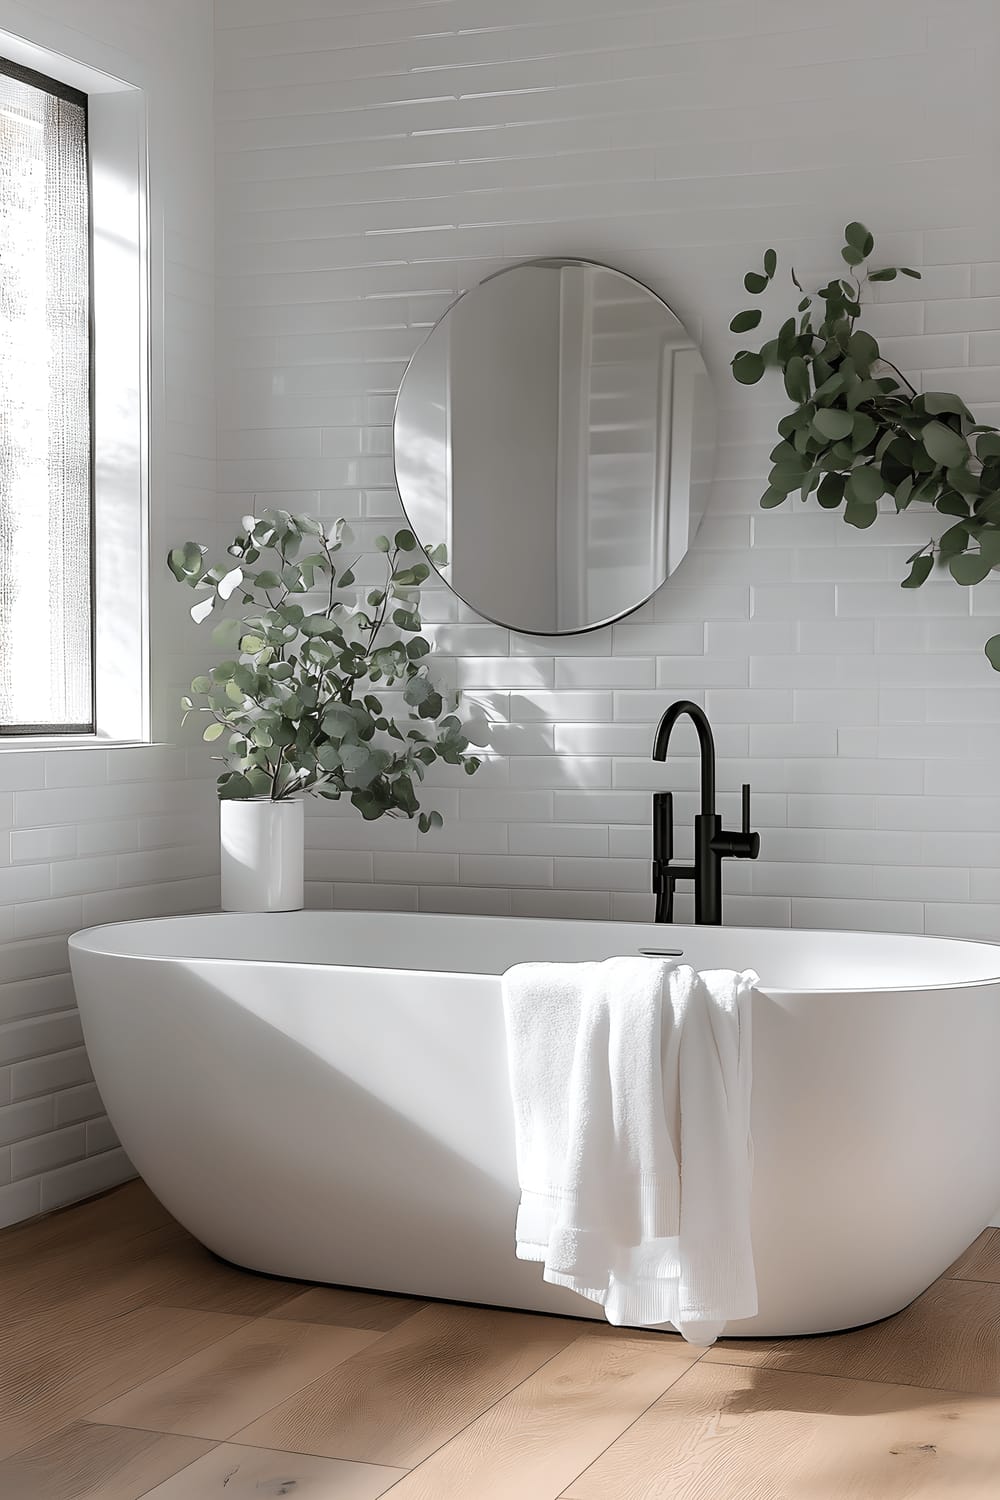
(557, 431)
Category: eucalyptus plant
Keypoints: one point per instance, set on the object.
(859, 430)
(298, 706)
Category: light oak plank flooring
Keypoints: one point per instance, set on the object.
(420, 1384)
(347, 1308)
(84, 1462)
(85, 1229)
(257, 1473)
(179, 1271)
(948, 1339)
(981, 1262)
(222, 1388)
(94, 1270)
(134, 1364)
(537, 1438)
(45, 1385)
(726, 1433)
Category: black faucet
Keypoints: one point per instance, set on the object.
(712, 843)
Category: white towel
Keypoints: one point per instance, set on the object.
(630, 1081)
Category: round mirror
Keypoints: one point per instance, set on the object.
(556, 431)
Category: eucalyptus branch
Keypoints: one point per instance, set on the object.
(295, 723)
(852, 437)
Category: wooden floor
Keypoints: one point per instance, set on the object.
(133, 1363)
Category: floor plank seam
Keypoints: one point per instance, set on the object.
(493, 1405)
(188, 1465)
(260, 1416)
(84, 1416)
(638, 1418)
(485, 1411)
(197, 1437)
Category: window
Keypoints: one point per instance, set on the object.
(46, 422)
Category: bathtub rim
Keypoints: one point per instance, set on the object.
(85, 941)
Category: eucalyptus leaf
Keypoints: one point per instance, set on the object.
(186, 562)
(989, 546)
(830, 422)
(863, 350)
(797, 378)
(939, 403)
(748, 367)
(953, 541)
(920, 571)
(864, 485)
(772, 497)
(864, 433)
(944, 445)
(969, 568)
(860, 238)
(860, 513)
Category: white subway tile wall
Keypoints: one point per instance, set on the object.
(102, 835)
(375, 159)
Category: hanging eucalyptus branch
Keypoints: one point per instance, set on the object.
(294, 706)
(859, 429)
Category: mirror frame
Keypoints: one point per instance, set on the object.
(553, 261)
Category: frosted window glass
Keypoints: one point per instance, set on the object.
(45, 468)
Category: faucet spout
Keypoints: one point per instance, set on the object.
(706, 745)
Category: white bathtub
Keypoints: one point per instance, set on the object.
(324, 1095)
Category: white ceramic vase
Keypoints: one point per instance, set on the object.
(263, 854)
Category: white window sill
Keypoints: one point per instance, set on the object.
(50, 742)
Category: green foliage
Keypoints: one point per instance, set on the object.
(298, 706)
(859, 430)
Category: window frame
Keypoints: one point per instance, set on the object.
(130, 451)
(45, 83)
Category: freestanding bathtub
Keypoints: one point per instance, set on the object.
(324, 1095)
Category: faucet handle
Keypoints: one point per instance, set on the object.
(742, 845)
(750, 840)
